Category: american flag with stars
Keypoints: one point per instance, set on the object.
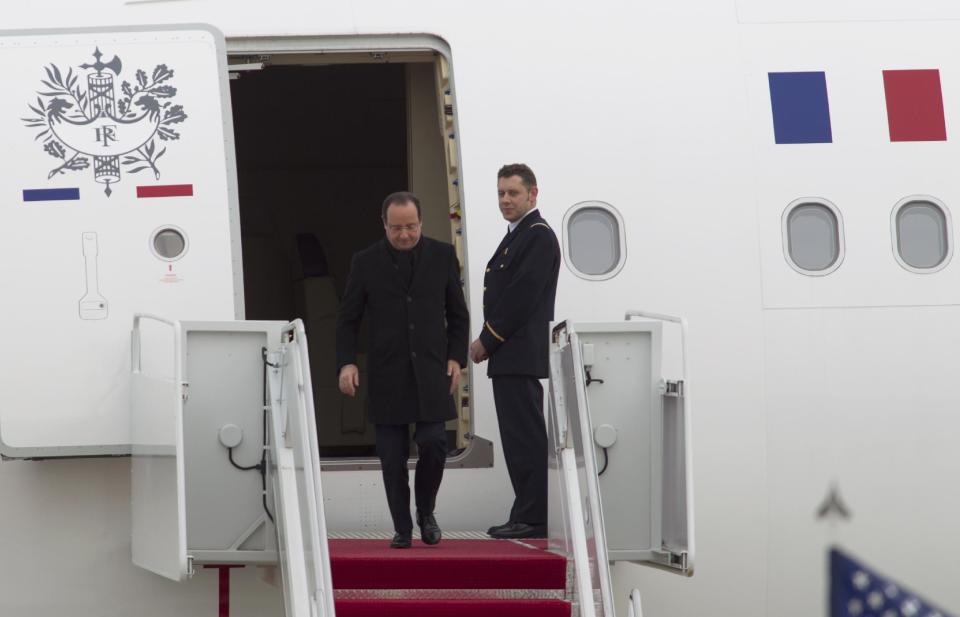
(858, 591)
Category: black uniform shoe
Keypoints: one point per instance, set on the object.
(429, 530)
(519, 530)
(497, 528)
(401, 540)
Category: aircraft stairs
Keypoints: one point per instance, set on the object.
(463, 576)
(248, 379)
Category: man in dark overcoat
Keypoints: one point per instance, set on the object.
(520, 287)
(407, 287)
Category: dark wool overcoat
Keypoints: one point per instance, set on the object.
(412, 331)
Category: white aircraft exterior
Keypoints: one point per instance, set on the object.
(804, 384)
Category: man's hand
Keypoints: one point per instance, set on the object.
(478, 353)
(453, 372)
(349, 379)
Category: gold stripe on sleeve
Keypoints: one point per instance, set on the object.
(493, 332)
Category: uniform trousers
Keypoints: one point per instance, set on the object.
(523, 433)
(393, 448)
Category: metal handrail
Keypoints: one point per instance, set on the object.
(596, 510)
(135, 342)
(671, 318)
(573, 503)
(578, 533)
(635, 608)
(325, 584)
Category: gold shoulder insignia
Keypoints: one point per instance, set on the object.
(540, 225)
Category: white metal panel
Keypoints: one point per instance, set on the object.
(157, 505)
(628, 399)
(60, 244)
(223, 363)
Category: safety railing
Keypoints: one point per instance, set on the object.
(135, 343)
(578, 534)
(589, 566)
(322, 576)
(634, 607)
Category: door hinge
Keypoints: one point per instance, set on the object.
(185, 391)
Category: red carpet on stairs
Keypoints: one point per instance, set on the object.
(452, 564)
(365, 566)
(452, 608)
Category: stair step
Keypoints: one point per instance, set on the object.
(449, 594)
(452, 564)
(452, 608)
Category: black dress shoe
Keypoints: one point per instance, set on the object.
(429, 530)
(401, 540)
(497, 528)
(519, 530)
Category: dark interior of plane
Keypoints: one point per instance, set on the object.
(318, 148)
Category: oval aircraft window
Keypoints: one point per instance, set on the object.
(921, 234)
(169, 243)
(594, 240)
(813, 236)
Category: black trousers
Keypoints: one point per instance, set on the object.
(523, 432)
(393, 448)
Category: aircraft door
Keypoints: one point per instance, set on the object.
(114, 129)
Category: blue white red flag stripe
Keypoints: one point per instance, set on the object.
(165, 190)
(69, 194)
(914, 105)
(801, 108)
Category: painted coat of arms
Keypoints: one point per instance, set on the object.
(117, 130)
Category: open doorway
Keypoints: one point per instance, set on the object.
(321, 140)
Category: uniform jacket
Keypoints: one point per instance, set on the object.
(519, 290)
(412, 332)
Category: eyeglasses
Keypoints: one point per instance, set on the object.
(398, 228)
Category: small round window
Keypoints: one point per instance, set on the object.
(921, 234)
(168, 243)
(594, 240)
(813, 236)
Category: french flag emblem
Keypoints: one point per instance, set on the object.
(801, 106)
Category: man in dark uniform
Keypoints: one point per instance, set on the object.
(520, 287)
(408, 288)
